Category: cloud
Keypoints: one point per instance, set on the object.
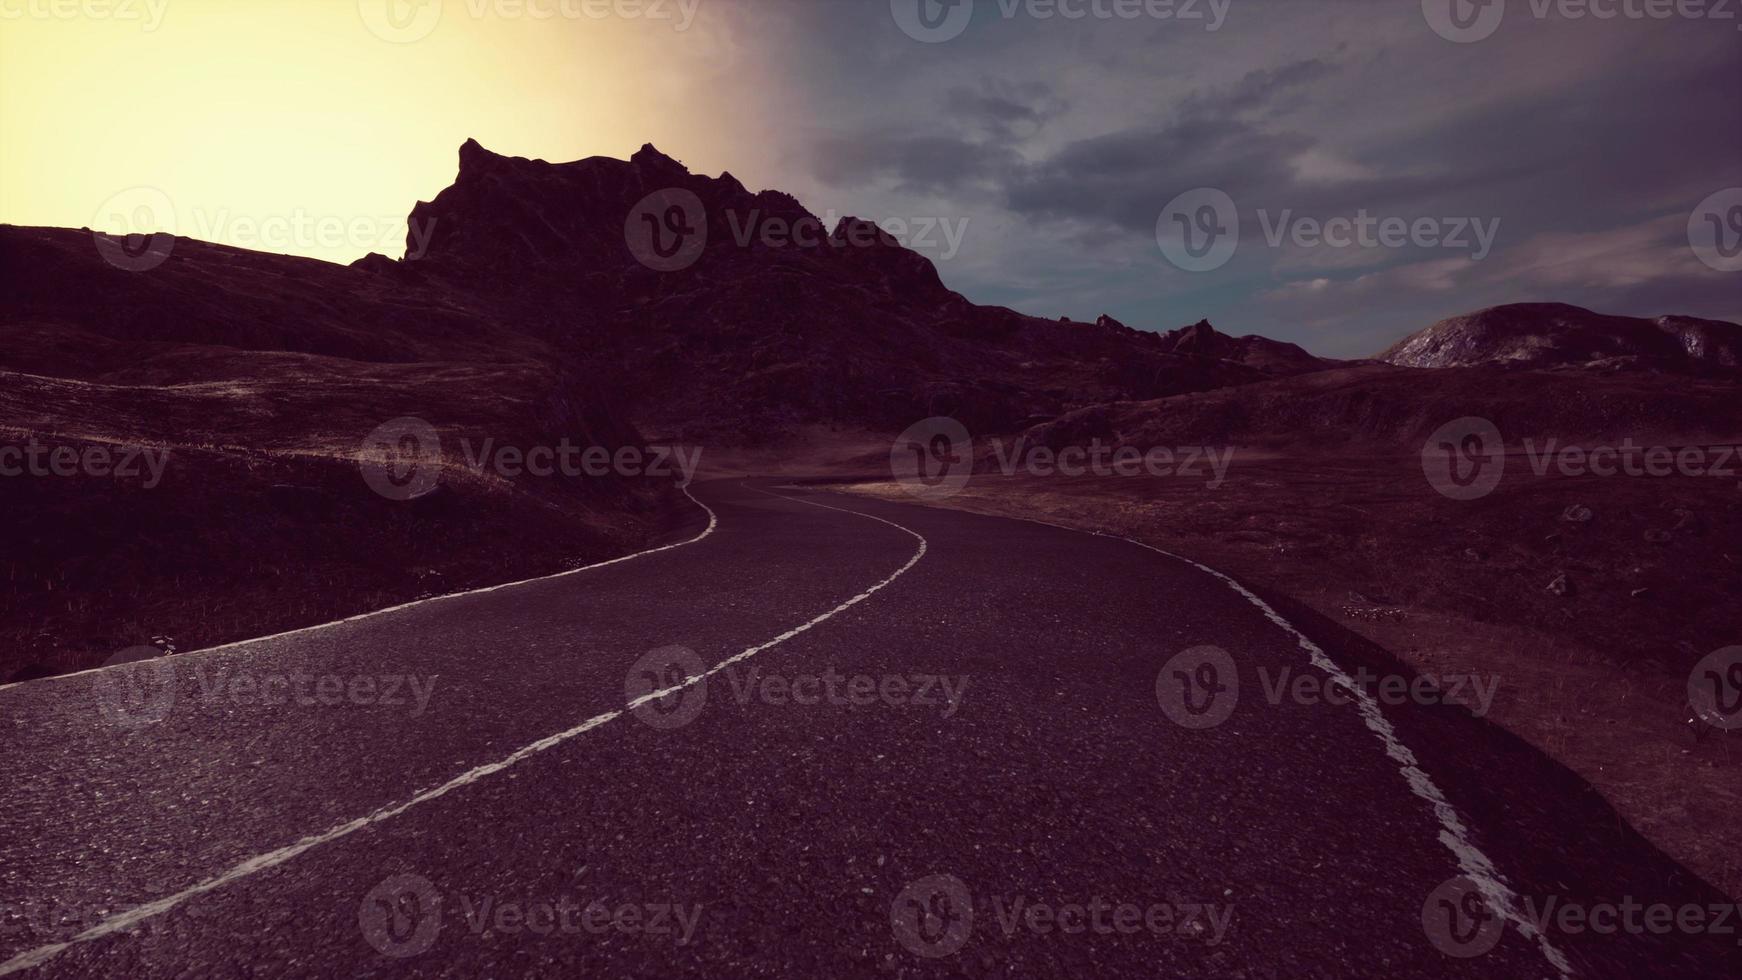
(1587, 143)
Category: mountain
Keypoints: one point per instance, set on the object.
(769, 320)
(537, 303)
(1556, 335)
(1271, 356)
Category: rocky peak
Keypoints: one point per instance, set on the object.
(1199, 338)
(648, 158)
(475, 159)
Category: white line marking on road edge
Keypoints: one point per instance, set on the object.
(1476, 865)
(271, 859)
(712, 522)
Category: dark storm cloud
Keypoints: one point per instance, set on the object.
(923, 164)
(1588, 143)
(1003, 111)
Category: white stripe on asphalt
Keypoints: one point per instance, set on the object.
(1476, 865)
(271, 859)
(712, 522)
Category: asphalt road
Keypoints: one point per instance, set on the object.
(826, 736)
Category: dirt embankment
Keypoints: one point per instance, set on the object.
(199, 513)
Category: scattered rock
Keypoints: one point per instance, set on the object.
(1577, 514)
(1560, 585)
(1472, 554)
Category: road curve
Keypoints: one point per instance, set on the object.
(826, 736)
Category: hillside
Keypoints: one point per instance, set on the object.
(1556, 335)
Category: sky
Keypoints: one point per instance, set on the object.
(1336, 173)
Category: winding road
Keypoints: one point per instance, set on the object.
(815, 735)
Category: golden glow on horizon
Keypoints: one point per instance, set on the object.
(289, 126)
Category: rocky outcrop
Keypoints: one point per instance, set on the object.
(1556, 335)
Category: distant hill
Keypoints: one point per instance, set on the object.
(1270, 356)
(1382, 408)
(1556, 335)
